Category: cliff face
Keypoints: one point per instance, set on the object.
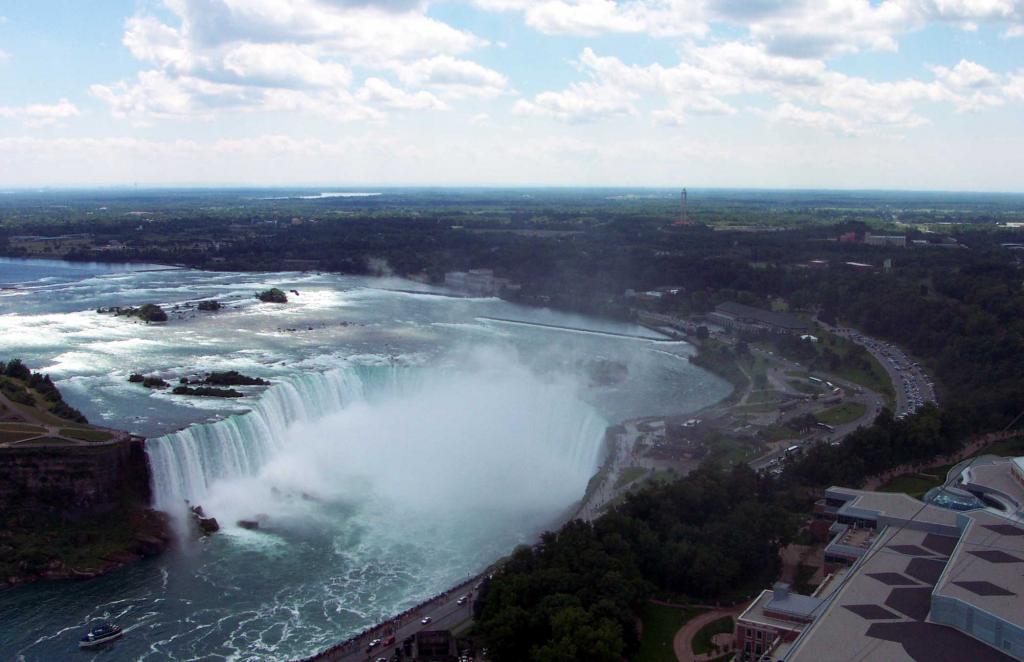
(75, 511)
(71, 483)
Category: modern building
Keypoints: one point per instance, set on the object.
(740, 317)
(910, 581)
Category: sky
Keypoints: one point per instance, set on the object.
(850, 94)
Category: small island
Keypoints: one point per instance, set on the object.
(148, 382)
(209, 305)
(147, 312)
(273, 295)
(208, 392)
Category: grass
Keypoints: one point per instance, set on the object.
(701, 643)
(1008, 448)
(7, 436)
(847, 412)
(45, 441)
(803, 387)
(660, 626)
(86, 434)
(733, 450)
(917, 484)
(628, 475)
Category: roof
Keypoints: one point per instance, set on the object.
(793, 604)
(880, 613)
(772, 318)
(985, 569)
(894, 508)
(755, 613)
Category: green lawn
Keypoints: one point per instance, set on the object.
(733, 450)
(1008, 448)
(86, 434)
(702, 640)
(840, 414)
(660, 627)
(15, 435)
(916, 485)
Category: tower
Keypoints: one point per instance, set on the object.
(684, 213)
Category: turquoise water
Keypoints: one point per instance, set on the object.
(405, 444)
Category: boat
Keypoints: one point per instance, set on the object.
(100, 634)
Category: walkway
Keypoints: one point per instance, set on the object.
(683, 641)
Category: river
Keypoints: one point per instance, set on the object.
(406, 442)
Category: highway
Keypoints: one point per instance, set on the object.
(444, 612)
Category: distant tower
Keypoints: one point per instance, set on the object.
(684, 213)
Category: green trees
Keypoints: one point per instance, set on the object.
(273, 295)
(575, 595)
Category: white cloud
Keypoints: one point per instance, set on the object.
(966, 74)
(4, 56)
(659, 18)
(267, 55)
(1014, 87)
(797, 28)
(376, 91)
(455, 78)
(788, 113)
(581, 102)
(41, 114)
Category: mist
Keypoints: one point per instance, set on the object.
(488, 438)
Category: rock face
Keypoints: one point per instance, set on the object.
(74, 482)
(93, 499)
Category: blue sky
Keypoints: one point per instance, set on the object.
(921, 94)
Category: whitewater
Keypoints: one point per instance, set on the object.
(406, 442)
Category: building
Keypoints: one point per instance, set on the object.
(910, 581)
(885, 240)
(478, 282)
(429, 646)
(740, 317)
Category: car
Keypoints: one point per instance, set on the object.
(425, 620)
(462, 600)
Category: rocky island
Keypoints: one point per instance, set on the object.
(273, 295)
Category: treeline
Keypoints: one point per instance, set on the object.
(40, 383)
(711, 535)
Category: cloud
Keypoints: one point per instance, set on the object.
(4, 56)
(660, 18)
(801, 90)
(794, 28)
(267, 55)
(966, 74)
(788, 113)
(455, 78)
(40, 114)
(581, 102)
(380, 92)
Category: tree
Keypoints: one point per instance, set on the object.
(702, 332)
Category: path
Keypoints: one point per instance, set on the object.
(50, 431)
(682, 643)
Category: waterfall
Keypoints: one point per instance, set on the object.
(355, 419)
(185, 463)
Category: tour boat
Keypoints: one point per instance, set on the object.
(100, 634)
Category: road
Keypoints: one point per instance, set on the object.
(445, 614)
(911, 383)
(851, 392)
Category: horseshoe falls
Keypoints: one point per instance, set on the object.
(406, 442)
